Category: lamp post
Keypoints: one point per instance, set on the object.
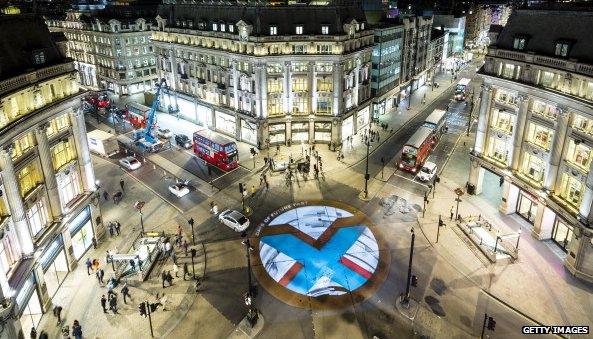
(458, 200)
(518, 238)
(366, 173)
(252, 312)
(191, 223)
(409, 278)
(138, 205)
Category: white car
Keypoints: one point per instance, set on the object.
(164, 133)
(130, 163)
(179, 189)
(427, 172)
(234, 220)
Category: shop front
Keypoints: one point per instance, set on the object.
(562, 233)
(347, 127)
(527, 206)
(277, 133)
(54, 264)
(362, 118)
(323, 132)
(300, 132)
(248, 132)
(81, 231)
(225, 123)
(187, 108)
(28, 305)
(203, 115)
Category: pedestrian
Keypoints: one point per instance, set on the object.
(174, 257)
(117, 227)
(133, 264)
(125, 292)
(179, 231)
(100, 275)
(43, 335)
(169, 278)
(185, 270)
(321, 165)
(168, 248)
(113, 303)
(184, 246)
(104, 303)
(121, 184)
(451, 212)
(58, 313)
(107, 257)
(76, 330)
(164, 278)
(94, 241)
(89, 265)
(105, 195)
(175, 269)
(33, 333)
(110, 227)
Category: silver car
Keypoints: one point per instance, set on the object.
(234, 219)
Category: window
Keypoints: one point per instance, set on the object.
(37, 216)
(231, 28)
(273, 30)
(502, 121)
(62, 153)
(69, 187)
(299, 30)
(511, 71)
(324, 84)
(29, 177)
(540, 136)
(22, 145)
(561, 49)
(571, 189)
(519, 44)
(324, 49)
(8, 255)
(39, 58)
(298, 49)
(583, 124)
(579, 154)
(222, 27)
(548, 79)
(275, 85)
(214, 27)
(299, 105)
(324, 107)
(325, 30)
(299, 84)
(275, 106)
(57, 124)
(533, 167)
(498, 150)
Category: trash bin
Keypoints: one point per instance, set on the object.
(471, 189)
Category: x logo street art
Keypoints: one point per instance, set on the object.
(318, 250)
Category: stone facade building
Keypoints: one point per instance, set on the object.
(48, 202)
(268, 74)
(535, 128)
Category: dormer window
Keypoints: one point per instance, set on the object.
(561, 49)
(273, 30)
(325, 29)
(519, 43)
(362, 25)
(39, 58)
(222, 27)
(231, 28)
(215, 27)
(299, 30)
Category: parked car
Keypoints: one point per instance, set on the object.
(182, 140)
(234, 219)
(427, 171)
(179, 189)
(164, 133)
(130, 163)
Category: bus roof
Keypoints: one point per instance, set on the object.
(436, 117)
(217, 138)
(464, 81)
(418, 138)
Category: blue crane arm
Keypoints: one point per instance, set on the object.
(152, 113)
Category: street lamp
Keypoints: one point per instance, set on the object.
(366, 173)
(406, 300)
(250, 295)
(191, 223)
(518, 237)
(138, 205)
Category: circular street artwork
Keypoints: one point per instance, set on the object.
(324, 250)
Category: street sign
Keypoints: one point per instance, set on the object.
(139, 204)
(459, 191)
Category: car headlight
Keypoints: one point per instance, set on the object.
(413, 170)
(401, 166)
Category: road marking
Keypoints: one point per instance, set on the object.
(411, 180)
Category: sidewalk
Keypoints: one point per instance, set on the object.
(536, 285)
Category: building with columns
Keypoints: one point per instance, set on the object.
(268, 74)
(48, 205)
(535, 128)
(111, 51)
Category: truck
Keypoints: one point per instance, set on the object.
(102, 143)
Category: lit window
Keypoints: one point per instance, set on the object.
(325, 30)
(37, 216)
(299, 30)
(222, 27)
(273, 30)
(214, 27)
(519, 44)
(231, 28)
(561, 49)
(39, 58)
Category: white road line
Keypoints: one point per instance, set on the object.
(411, 180)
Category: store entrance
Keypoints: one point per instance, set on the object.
(562, 234)
(31, 314)
(492, 188)
(55, 273)
(527, 208)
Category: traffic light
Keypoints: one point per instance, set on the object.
(142, 309)
(191, 221)
(491, 324)
(414, 281)
(441, 223)
(241, 188)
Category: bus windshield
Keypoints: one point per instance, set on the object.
(409, 156)
(230, 148)
(460, 89)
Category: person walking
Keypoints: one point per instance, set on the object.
(125, 292)
(33, 333)
(121, 184)
(175, 269)
(58, 313)
(89, 265)
(76, 330)
(170, 278)
(113, 303)
(110, 227)
(168, 248)
(184, 246)
(105, 195)
(451, 211)
(174, 257)
(164, 278)
(100, 275)
(185, 270)
(117, 227)
(104, 303)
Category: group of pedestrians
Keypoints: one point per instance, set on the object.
(118, 195)
(114, 228)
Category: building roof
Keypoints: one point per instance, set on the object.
(285, 18)
(543, 28)
(21, 38)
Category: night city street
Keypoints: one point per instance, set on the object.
(296, 169)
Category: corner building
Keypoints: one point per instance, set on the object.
(48, 205)
(268, 75)
(535, 128)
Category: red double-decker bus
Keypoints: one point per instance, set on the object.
(417, 149)
(216, 150)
